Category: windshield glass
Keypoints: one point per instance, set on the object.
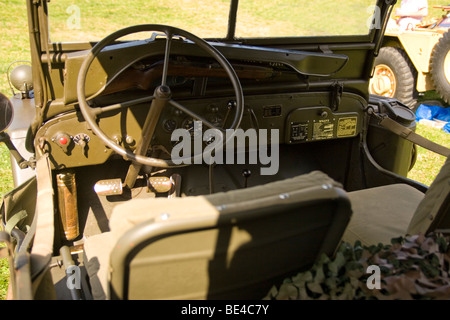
(86, 20)
(288, 18)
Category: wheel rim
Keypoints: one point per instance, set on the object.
(383, 82)
(447, 67)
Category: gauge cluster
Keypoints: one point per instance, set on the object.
(219, 114)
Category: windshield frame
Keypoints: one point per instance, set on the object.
(232, 25)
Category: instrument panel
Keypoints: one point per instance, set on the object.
(298, 117)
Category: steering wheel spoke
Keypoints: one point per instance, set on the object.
(194, 115)
(121, 105)
(166, 58)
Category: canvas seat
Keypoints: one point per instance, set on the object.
(232, 245)
(383, 213)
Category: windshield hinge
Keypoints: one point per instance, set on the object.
(325, 49)
(337, 89)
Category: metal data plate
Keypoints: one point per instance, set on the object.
(320, 123)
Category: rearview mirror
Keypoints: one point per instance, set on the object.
(6, 112)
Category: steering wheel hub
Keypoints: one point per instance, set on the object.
(163, 92)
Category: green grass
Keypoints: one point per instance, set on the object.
(429, 163)
(4, 275)
(14, 45)
(255, 18)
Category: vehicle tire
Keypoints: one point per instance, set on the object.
(440, 67)
(394, 76)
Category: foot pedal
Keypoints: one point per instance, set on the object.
(159, 184)
(109, 187)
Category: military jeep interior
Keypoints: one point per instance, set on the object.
(142, 224)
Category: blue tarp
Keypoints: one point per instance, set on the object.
(446, 128)
(434, 113)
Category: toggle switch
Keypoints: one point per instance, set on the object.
(246, 173)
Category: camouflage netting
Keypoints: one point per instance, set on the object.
(410, 268)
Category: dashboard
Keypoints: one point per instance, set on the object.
(298, 118)
(297, 95)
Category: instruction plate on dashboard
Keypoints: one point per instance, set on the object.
(347, 127)
(319, 123)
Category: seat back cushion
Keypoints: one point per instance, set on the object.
(232, 245)
(433, 212)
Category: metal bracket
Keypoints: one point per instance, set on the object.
(336, 95)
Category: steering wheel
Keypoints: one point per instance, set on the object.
(159, 100)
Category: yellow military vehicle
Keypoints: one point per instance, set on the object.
(414, 61)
